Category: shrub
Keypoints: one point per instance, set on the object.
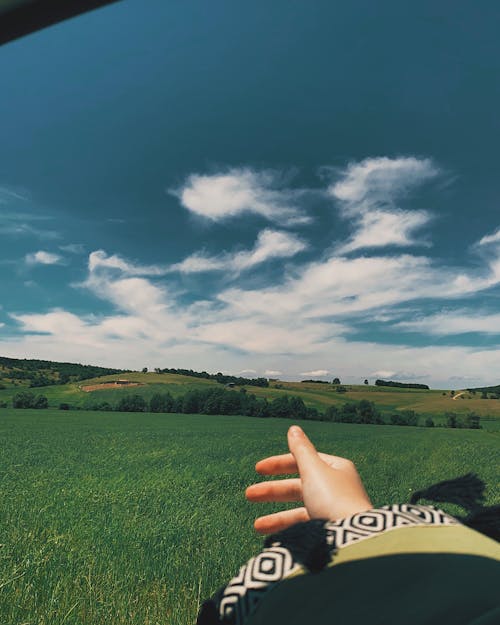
(63, 406)
(25, 399)
(131, 403)
(429, 423)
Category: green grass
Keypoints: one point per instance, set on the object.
(133, 518)
(424, 402)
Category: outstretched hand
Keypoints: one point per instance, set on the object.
(329, 486)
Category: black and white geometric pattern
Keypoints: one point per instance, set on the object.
(368, 524)
(243, 593)
(255, 578)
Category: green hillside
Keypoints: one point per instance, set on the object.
(89, 393)
(16, 372)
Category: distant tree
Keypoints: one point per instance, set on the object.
(366, 381)
(279, 407)
(131, 403)
(144, 370)
(157, 370)
(161, 402)
(429, 423)
(25, 399)
(336, 381)
(484, 395)
(472, 421)
(451, 420)
(341, 389)
(452, 393)
(331, 414)
(297, 408)
(63, 406)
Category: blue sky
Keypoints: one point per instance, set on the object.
(287, 189)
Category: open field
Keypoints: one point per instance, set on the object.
(132, 518)
(425, 402)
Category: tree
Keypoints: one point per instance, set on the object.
(484, 395)
(451, 420)
(25, 399)
(336, 381)
(131, 403)
(161, 402)
(366, 381)
(429, 423)
(144, 369)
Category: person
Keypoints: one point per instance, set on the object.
(336, 560)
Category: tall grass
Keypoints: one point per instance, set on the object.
(117, 519)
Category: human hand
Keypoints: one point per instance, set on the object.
(329, 486)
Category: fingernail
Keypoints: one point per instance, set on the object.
(295, 430)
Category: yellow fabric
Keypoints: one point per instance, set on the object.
(421, 539)
(458, 539)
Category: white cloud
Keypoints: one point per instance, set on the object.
(73, 248)
(224, 195)
(367, 192)
(272, 372)
(379, 228)
(383, 373)
(316, 373)
(379, 181)
(458, 322)
(43, 258)
(246, 371)
(270, 244)
(100, 260)
(490, 238)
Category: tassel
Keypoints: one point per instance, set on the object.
(486, 521)
(306, 542)
(468, 492)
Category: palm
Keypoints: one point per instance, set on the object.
(329, 486)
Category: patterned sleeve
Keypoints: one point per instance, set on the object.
(308, 548)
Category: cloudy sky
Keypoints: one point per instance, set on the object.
(290, 189)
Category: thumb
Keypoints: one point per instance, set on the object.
(303, 451)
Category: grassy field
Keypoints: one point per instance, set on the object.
(434, 403)
(133, 518)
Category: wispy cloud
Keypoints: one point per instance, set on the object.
(316, 373)
(367, 194)
(454, 322)
(43, 258)
(73, 248)
(270, 244)
(490, 238)
(224, 195)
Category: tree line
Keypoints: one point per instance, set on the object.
(45, 372)
(400, 384)
(218, 377)
(220, 401)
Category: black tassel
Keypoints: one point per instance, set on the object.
(466, 491)
(486, 521)
(306, 542)
(208, 614)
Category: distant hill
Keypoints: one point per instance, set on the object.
(36, 373)
(401, 384)
(486, 389)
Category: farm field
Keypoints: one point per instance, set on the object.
(424, 402)
(134, 518)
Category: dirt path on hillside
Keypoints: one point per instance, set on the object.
(98, 387)
(458, 395)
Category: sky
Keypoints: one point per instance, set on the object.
(284, 189)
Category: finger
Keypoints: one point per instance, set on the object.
(280, 520)
(304, 452)
(277, 465)
(280, 490)
(286, 464)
